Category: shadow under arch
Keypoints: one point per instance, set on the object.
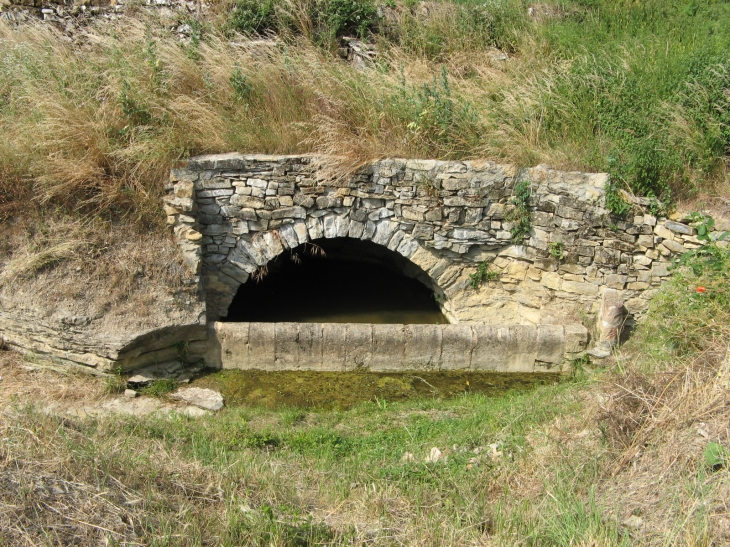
(338, 280)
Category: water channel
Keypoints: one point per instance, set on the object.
(345, 281)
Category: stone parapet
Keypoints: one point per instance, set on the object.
(341, 347)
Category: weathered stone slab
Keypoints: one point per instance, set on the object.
(388, 348)
(489, 353)
(261, 346)
(359, 344)
(286, 344)
(334, 346)
(422, 349)
(458, 343)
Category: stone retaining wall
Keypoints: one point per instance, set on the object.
(394, 348)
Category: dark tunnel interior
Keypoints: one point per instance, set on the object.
(337, 280)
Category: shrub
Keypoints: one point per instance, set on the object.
(253, 17)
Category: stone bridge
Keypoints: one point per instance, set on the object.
(232, 214)
(557, 261)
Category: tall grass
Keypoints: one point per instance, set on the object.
(639, 90)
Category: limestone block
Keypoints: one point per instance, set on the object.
(309, 342)
(241, 258)
(300, 229)
(184, 189)
(550, 343)
(335, 226)
(289, 236)
(649, 220)
(411, 214)
(680, 228)
(616, 281)
(408, 247)
(270, 245)
(334, 346)
(579, 288)
(423, 231)
(637, 286)
(422, 347)
(262, 346)
(523, 348)
(396, 239)
(359, 341)
(661, 231)
(421, 165)
(659, 269)
(289, 212)
(303, 200)
(490, 352)
(314, 227)
(388, 348)
(576, 338)
(674, 246)
(234, 271)
(369, 231)
(248, 202)
(466, 234)
(286, 355)
(384, 231)
(457, 347)
(356, 229)
(325, 202)
(179, 204)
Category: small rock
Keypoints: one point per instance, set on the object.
(634, 522)
(200, 397)
(194, 412)
(601, 351)
(130, 393)
(434, 456)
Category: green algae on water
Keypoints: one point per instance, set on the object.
(343, 390)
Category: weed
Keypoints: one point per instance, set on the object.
(616, 202)
(578, 366)
(520, 215)
(253, 17)
(181, 347)
(160, 388)
(241, 85)
(483, 273)
(555, 248)
(115, 383)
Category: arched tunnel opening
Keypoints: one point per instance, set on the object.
(338, 280)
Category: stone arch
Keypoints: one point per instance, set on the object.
(231, 213)
(253, 251)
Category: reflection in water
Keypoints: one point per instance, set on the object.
(351, 283)
(345, 389)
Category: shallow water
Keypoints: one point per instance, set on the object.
(345, 389)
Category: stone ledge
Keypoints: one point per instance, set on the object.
(341, 347)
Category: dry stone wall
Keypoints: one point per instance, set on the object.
(233, 213)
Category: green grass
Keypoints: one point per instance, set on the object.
(275, 475)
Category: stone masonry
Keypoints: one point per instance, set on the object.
(394, 348)
(231, 214)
